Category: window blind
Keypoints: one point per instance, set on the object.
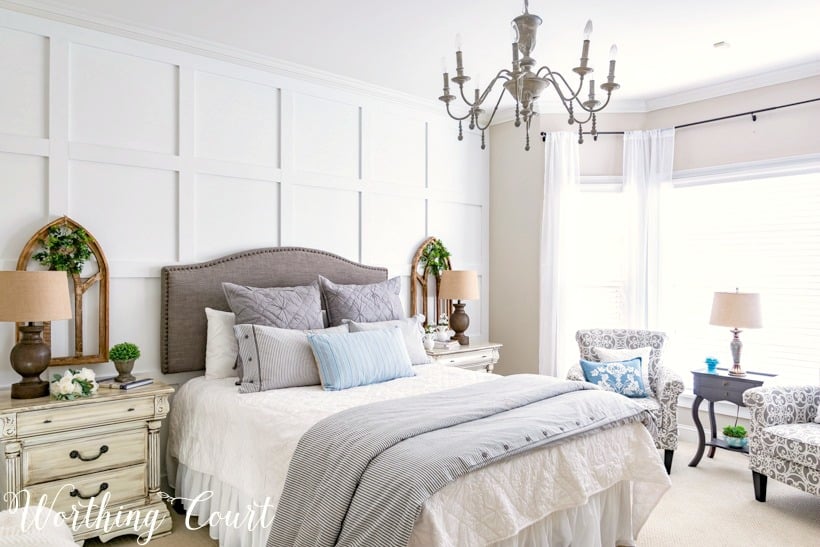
(759, 235)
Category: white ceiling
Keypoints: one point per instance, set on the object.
(665, 47)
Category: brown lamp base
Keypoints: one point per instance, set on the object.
(29, 359)
(29, 390)
(459, 322)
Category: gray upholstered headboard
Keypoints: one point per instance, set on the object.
(188, 289)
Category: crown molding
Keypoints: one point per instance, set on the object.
(223, 52)
(735, 85)
(214, 50)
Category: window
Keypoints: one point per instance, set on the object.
(596, 285)
(759, 235)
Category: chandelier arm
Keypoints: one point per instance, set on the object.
(503, 74)
(551, 76)
(456, 117)
(490, 119)
(594, 110)
(463, 98)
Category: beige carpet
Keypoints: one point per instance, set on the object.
(709, 505)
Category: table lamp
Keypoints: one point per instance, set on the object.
(736, 309)
(32, 298)
(459, 285)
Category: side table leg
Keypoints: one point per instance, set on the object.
(714, 427)
(701, 437)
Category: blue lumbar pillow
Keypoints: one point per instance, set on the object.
(360, 358)
(622, 377)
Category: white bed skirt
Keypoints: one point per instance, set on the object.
(606, 518)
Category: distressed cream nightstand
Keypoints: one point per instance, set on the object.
(70, 451)
(475, 356)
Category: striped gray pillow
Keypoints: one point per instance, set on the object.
(275, 358)
(411, 329)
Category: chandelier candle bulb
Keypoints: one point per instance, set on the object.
(588, 29)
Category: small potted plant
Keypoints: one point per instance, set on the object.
(123, 355)
(735, 436)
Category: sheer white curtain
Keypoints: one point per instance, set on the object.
(647, 165)
(561, 181)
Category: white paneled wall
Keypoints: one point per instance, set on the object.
(169, 157)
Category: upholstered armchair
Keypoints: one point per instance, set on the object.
(665, 385)
(784, 440)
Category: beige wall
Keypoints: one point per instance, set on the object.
(517, 179)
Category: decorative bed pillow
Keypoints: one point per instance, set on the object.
(220, 346)
(281, 307)
(365, 303)
(411, 331)
(360, 358)
(625, 354)
(277, 358)
(622, 377)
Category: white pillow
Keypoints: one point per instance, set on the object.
(221, 348)
(609, 355)
(411, 330)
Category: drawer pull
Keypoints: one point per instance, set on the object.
(131, 409)
(725, 382)
(76, 493)
(74, 454)
(46, 421)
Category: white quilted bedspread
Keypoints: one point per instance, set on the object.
(247, 441)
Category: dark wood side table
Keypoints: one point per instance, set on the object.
(719, 386)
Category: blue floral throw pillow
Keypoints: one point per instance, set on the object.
(622, 377)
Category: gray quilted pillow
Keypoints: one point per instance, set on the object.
(281, 307)
(362, 303)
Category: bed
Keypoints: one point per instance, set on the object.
(228, 453)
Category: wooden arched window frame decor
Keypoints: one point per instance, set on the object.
(35, 253)
(420, 272)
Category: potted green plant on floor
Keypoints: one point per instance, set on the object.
(735, 436)
(123, 355)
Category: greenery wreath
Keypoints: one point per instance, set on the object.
(434, 257)
(64, 250)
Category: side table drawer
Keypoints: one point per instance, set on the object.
(59, 459)
(720, 394)
(76, 417)
(122, 485)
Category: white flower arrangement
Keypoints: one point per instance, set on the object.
(74, 384)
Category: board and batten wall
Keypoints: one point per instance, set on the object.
(170, 157)
(517, 185)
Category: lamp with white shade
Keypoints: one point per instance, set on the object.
(736, 309)
(32, 298)
(459, 285)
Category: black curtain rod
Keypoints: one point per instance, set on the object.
(752, 113)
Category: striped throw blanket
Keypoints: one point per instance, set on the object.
(360, 477)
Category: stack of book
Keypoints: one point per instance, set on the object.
(126, 385)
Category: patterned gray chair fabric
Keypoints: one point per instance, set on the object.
(784, 440)
(665, 385)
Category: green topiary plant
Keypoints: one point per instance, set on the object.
(124, 351)
(434, 257)
(64, 250)
(736, 431)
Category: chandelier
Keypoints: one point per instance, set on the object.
(525, 84)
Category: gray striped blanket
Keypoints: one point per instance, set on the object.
(360, 477)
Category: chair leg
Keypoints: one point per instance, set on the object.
(759, 480)
(667, 460)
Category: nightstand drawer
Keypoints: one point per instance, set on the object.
(466, 359)
(85, 455)
(75, 417)
(120, 484)
(720, 394)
